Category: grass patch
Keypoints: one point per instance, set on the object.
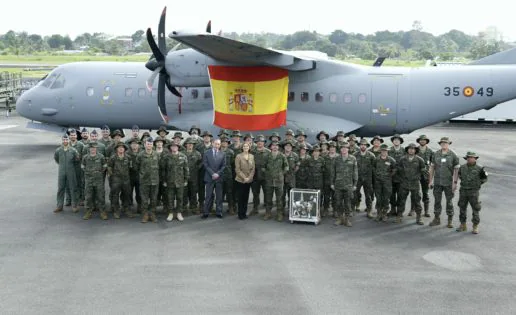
(60, 59)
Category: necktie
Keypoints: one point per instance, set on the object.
(214, 153)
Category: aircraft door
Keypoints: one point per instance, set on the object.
(384, 101)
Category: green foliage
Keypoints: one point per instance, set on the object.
(415, 44)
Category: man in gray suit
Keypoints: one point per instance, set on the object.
(214, 161)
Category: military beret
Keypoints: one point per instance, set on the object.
(84, 130)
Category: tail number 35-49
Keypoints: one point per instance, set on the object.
(468, 91)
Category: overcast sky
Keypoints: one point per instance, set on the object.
(280, 16)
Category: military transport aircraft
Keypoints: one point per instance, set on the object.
(323, 94)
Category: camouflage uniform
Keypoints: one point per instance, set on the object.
(365, 162)
(289, 137)
(290, 176)
(202, 147)
(384, 169)
(274, 169)
(194, 165)
(353, 147)
(162, 198)
(94, 168)
(472, 177)
(317, 173)
(228, 178)
(376, 151)
(175, 174)
(328, 174)
(162, 132)
(345, 177)
(444, 165)
(260, 157)
(120, 181)
(67, 158)
(410, 169)
(300, 142)
(396, 154)
(303, 173)
(147, 165)
(426, 155)
(134, 177)
(111, 151)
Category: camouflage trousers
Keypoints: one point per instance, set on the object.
(415, 200)
(286, 193)
(278, 192)
(424, 190)
(94, 194)
(149, 195)
(438, 196)
(368, 193)
(175, 194)
(135, 189)
(66, 182)
(328, 197)
(470, 196)
(227, 192)
(383, 192)
(343, 199)
(256, 186)
(190, 193)
(395, 195)
(120, 189)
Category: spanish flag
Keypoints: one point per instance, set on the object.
(249, 98)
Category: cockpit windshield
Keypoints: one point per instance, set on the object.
(59, 82)
(53, 81)
(48, 80)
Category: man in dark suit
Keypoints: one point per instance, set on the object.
(214, 161)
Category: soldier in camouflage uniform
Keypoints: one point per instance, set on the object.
(119, 166)
(321, 137)
(274, 168)
(202, 147)
(178, 136)
(67, 158)
(116, 136)
(175, 174)
(293, 166)
(340, 139)
(106, 139)
(161, 151)
(376, 142)
(275, 137)
(134, 177)
(396, 152)
(444, 172)
(85, 135)
(79, 147)
(329, 165)
(301, 140)
(426, 154)
(352, 141)
(261, 154)
(94, 165)
(227, 177)
(365, 163)
(344, 183)
(303, 172)
(136, 134)
(194, 165)
(289, 137)
(411, 169)
(324, 148)
(144, 137)
(384, 170)
(195, 134)
(94, 139)
(163, 132)
(472, 177)
(147, 164)
(317, 172)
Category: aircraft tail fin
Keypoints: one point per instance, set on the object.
(506, 57)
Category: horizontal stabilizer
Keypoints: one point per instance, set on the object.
(506, 57)
(379, 61)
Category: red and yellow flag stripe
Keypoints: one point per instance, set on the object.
(249, 98)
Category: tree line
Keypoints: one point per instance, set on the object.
(415, 44)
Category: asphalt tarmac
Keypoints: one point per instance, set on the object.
(60, 264)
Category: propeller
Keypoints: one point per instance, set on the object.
(156, 64)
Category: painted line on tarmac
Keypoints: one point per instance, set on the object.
(504, 175)
(8, 127)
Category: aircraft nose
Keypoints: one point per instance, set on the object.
(22, 104)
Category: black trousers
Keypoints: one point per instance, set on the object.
(218, 196)
(243, 198)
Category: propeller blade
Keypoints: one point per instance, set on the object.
(162, 44)
(152, 43)
(151, 79)
(172, 89)
(208, 27)
(161, 97)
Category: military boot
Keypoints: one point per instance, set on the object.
(116, 213)
(153, 217)
(267, 215)
(279, 217)
(436, 221)
(129, 213)
(231, 210)
(418, 219)
(384, 216)
(398, 219)
(75, 209)
(339, 221)
(369, 215)
(462, 228)
(58, 210)
(145, 218)
(254, 211)
(450, 220)
(103, 215)
(87, 215)
(426, 210)
(475, 229)
(378, 217)
(347, 221)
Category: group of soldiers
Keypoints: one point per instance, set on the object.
(170, 171)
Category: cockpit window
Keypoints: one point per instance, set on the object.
(47, 82)
(59, 82)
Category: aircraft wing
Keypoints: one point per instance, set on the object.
(236, 52)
